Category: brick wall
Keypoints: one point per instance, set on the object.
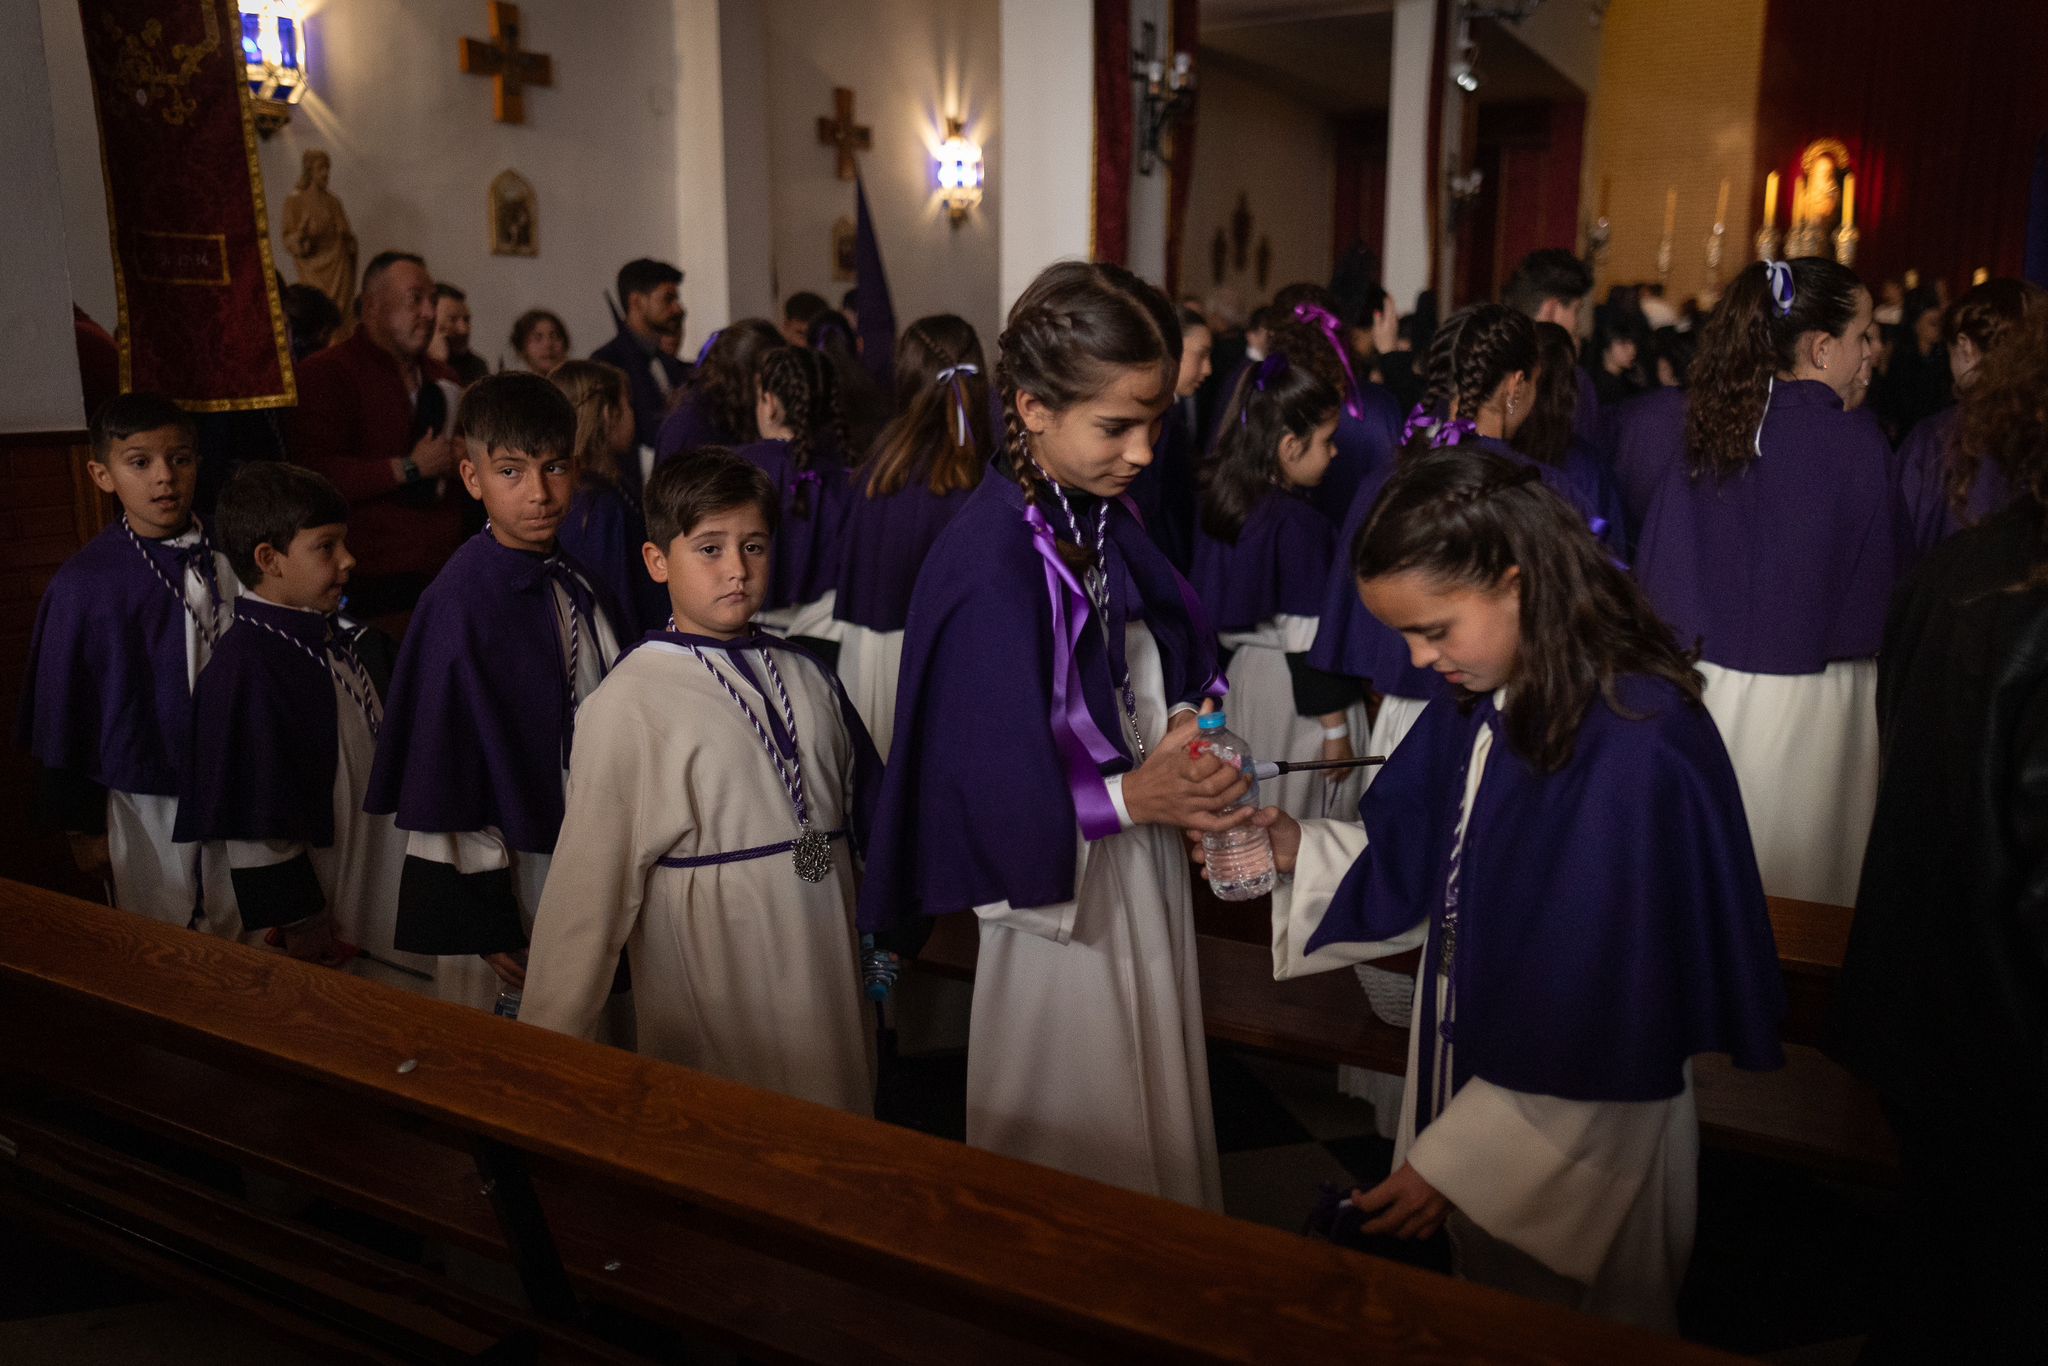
(1676, 109)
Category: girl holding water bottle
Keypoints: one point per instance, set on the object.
(1562, 834)
(1053, 666)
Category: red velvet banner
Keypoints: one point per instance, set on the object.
(1110, 235)
(200, 317)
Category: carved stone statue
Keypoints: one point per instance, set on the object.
(317, 235)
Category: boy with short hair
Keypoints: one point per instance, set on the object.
(722, 782)
(507, 641)
(124, 628)
(284, 727)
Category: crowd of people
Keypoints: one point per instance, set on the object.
(717, 679)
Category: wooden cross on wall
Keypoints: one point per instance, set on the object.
(511, 68)
(842, 132)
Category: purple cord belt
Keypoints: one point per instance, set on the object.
(738, 855)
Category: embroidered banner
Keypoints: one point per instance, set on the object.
(200, 317)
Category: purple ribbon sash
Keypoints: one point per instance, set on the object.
(1083, 747)
(1326, 322)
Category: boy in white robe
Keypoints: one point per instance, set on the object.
(715, 804)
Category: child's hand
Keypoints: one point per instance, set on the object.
(1283, 829)
(510, 967)
(1177, 787)
(1338, 749)
(90, 853)
(1409, 1206)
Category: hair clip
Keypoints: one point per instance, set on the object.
(1778, 275)
(953, 375)
(709, 342)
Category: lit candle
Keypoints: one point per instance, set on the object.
(1849, 201)
(1798, 200)
(1670, 210)
(1771, 199)
(1721, 208)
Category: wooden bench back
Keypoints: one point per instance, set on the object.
(380, 1098)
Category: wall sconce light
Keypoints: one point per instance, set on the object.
(960, 173)
(1169, 95)
(274, 59)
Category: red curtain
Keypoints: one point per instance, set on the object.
(200, 319)
(1940, 108)
(1111, 236)
(1186, 37)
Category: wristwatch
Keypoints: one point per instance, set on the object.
(409, 468)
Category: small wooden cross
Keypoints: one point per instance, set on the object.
(510, 68)
(842, 132)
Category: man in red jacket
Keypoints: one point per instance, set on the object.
(374, 415)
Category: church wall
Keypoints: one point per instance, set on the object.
(1047, 153)
(1676, 108)
(414, 150)
(910, 64)
(42, 389)
(1280, 154)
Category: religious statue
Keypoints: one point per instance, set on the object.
(317, 235)
(515, 217)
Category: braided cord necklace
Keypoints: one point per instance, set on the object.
(1096, 581)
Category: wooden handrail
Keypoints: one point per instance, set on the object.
(1104, 1272)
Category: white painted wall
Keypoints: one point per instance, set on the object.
(1148, 192)
(1047, 148)
(910, 64)
(1406, 259)
(749, 200)
(1280, 154)
(624, 151)
(36, 347)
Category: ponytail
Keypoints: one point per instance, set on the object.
(940, 433)
(801, 380)
(1274, 399)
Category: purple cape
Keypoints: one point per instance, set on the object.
(1648, 442)
(264, 734)
(105, 693)
(1364, 447)
(1280, 564)
(885, 544)
(975, 806)
(477, 724)
(1586, 416)
(1350, 640)
(1923, 461)
(1165, 489)
(687, 427)
(1788, 564)
(604, 532)
(866, 778)
(1612, 921)
(807, 547)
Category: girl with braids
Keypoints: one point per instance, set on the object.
(1562, 835)
(1930, 464)
(924, 467)
(1262, 556)
(1771, 546)
(1041, 771)
(716, 408)
(604, 529)
(803, 449)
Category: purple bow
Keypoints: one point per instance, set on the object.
(705, 349)
(1443, 431)
(1778, 275)
(1270, 369)
(1323, 319)
(1083, 747)
(811, 477)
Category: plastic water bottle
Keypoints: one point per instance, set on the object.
(879, 969)
(508, 1004)
(1240, 861)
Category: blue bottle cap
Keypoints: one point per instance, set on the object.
(1211, 720)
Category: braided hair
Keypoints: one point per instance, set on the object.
(1744, 346)
(801, 380)
(1069, 333)
(724, 382)
(1469, 358)
(940, 431)
(1466, 516)
(1547, 434)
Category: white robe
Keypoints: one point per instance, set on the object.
(153, 875)
(1261, 707)
(870, 662)
(1586, 1204)
(813, 619)
(1804, 748)
(359, 872)
(740, 969)
(467, 978)
(1085, 1047)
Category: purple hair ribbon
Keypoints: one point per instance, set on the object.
(1082, 746)
(709, 342)
(1270, 369)
(1784, 290)
(952, 375)
(1326, 321)
(803, 477)
(1443, 431)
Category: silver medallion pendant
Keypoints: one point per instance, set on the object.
(813, 853)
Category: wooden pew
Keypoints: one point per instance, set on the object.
(1811, 1114)
(645, 1208)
